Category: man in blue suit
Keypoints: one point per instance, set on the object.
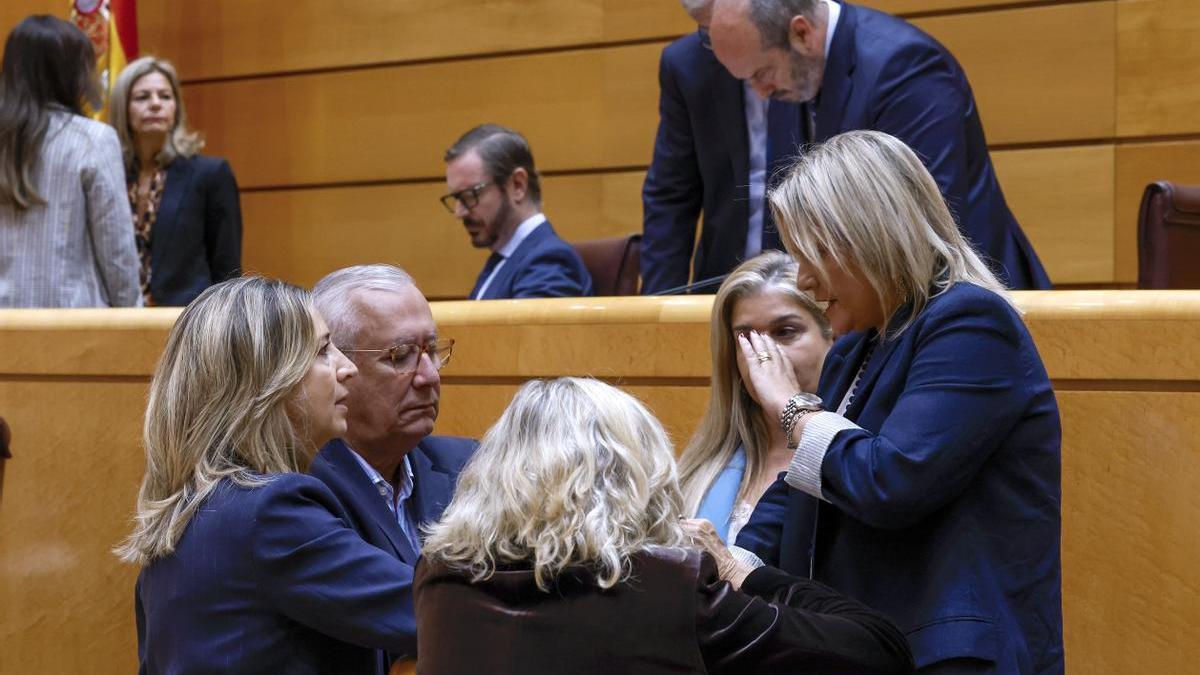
(718, 143)
(495, 190)
(389, 473)
(855, 68)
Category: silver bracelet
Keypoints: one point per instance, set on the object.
(797, 407)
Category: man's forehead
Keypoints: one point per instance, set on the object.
(393, 314)
(466, 169)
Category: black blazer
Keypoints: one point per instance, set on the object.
(197, 237)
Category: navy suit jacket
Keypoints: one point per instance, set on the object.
(197, 237)
(943, 510)
(700, 164)
(543, 266)
(881, 73)
(886, 75)
(272, 579)
(436, 462)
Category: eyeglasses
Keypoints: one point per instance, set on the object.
(469, 197)
(705, 38)
(406, 357)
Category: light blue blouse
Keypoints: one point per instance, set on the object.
(717, 505)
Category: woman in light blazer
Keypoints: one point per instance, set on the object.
(186, 213)
(65, 238)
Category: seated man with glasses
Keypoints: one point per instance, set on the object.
(496, 192)
(389, 472)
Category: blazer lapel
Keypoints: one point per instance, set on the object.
(179, 179)
(369, 501)
(839, 370)
(838, 81)
(431, 488)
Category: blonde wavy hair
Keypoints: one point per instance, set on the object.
(218, 405)
(733, 418)
(864, 198)
(181, 142)
(575, 472)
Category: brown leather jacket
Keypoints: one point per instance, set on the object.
(673, 615)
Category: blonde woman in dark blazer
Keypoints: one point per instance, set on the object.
(186, 212)
(65, 238)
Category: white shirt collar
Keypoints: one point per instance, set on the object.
(835, 12)
(525, 229)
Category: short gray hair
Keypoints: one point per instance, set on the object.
(694, 7)
(773, 19)
(332, 295)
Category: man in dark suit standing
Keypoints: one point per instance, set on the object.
(717, 146)
(855, 68)
(495, 190)
(389, 472)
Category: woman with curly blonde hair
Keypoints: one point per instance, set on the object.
(563, 551)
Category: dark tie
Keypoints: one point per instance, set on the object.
(783, 143)
(493, 260)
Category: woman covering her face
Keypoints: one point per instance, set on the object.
(926, 481)
(563, 552)
(186, 214)
(248, 565)
(737, 451)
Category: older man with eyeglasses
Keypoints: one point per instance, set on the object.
(496, 192)
(389, 472)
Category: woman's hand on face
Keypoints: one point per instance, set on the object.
(704, 537)
(770, 377)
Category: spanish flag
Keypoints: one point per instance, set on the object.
(111, 25)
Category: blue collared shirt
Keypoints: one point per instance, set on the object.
(397, 501)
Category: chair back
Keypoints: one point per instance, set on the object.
(614, 263)
(1169, 236)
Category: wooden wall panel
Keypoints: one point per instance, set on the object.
(598, 108)
(1063, 199)
(1138, 165)
(590, 108)
(234, 37)
(238, 38)
(1129, 557)
(13, 11)
(66, 603)
(1158, 68)
(1039, 74)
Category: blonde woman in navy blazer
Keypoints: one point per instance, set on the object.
(195, 237)
(928, 487)
(248, 564)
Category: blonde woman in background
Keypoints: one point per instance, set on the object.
(738, 451)
(563, 551)
(249, 565)
(186, 213)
